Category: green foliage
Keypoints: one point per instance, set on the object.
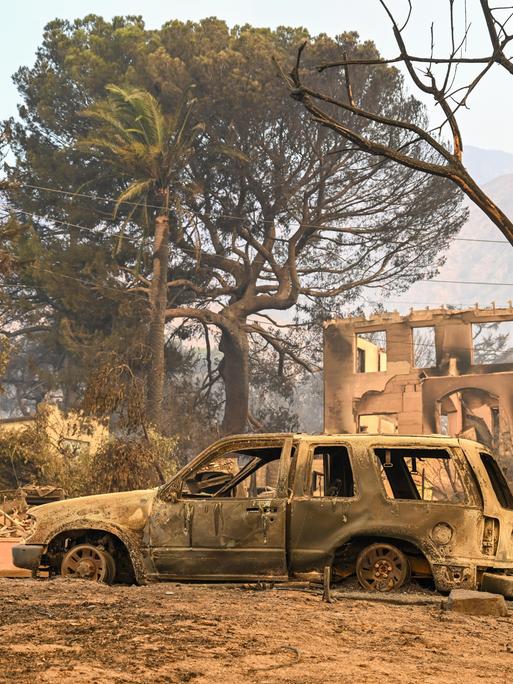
(115, 390)
(148, 150)
(82, 282)
(27, 455)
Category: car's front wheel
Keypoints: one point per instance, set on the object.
(86, 561)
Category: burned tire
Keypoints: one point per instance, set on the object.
(382, 567)
(86, 561)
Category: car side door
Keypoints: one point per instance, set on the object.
(323, 504)
(227, 517)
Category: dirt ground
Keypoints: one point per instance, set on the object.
(75, 631)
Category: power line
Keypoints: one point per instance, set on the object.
(82, 194)
(388, 339)
(210, 215)
(125, 237)
(118, 236)
(94, 230)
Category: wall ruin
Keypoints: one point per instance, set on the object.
(442, 371)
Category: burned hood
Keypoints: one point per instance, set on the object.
(129, 510)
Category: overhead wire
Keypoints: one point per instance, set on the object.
(33, 215)
(113, 200)
(388, 338)
(109, 199)
(126, 237)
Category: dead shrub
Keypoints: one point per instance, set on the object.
(26, 456)
(123, 464)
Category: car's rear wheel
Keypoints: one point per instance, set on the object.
(382, 567)
(86, 561)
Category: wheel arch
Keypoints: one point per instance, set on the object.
(359, 541)
(83, 528)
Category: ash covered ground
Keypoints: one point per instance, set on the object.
(76, 631)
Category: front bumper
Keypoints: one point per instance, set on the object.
(27, 555)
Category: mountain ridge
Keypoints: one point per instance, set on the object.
(477, 262)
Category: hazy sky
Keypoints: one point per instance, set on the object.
(487, 124)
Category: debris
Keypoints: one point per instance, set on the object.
(14, 524)
(258, 586)
(431, 353)
(476, 603)
(496, 583)
(391, 598)
(326, 595)
(35, 495)
(14, 504)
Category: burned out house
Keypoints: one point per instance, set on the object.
(432, 371)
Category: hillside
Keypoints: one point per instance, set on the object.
(480, 262)
(485, 165)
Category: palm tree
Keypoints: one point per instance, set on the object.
(150, 150)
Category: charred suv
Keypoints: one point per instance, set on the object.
(279, 506)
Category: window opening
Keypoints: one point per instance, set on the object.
(245, 473)
(424, 348)
(371, 352)
(332, 474)
(444, 424)
(360, 360)
(420, 474)
(378, 423)
(492, 342)
(498, 481)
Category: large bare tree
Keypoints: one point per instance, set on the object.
(435, 76)
(295, 225)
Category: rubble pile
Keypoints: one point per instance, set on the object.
(15, 503)
(14, 521)
(14, 524)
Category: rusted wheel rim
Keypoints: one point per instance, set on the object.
(382, 567)
(87, 562)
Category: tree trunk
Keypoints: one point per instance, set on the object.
(234, 370)
(156, 334)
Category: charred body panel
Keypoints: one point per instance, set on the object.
(123, 516)
(282, 505)
(194, 536)
(330, 529)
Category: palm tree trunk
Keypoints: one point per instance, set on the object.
(234, 370)
(156, 334)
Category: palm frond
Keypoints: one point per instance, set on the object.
(136, 190)
(147, 146)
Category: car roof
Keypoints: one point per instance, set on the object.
(363, 437)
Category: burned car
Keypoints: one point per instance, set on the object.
(278, 506)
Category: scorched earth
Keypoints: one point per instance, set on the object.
(76, 631)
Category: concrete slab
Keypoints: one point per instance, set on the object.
(476, 603)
